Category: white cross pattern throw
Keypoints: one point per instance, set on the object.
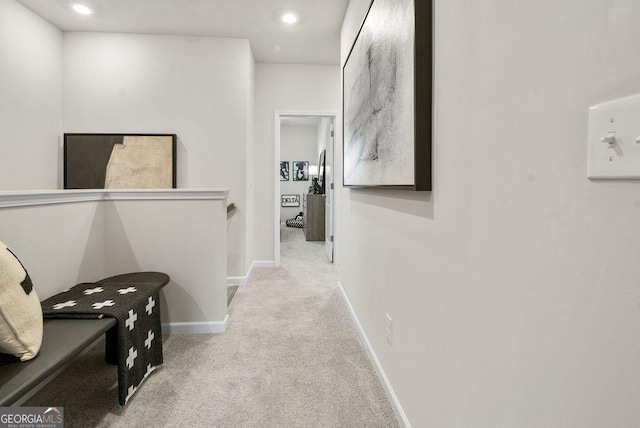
(149, 339)
(130, 392)
(93, 290)
(150, 305)
(127, 290)
(133, 354)
(130, 322)
(150, 369)
(103, 304)
(67, 304)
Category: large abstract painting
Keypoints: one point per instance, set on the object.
(387, 98)
(119, 161)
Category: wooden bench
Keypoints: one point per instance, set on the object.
(63, 341)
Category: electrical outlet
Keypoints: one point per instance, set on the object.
(388, 332)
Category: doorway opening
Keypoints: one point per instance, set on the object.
(305, 186)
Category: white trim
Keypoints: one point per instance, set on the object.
(242, 280)
(44, 197)
(238, 280)
(23, 198)
(337, 179)
(196, 327)
(276, 187)
(264, 264)
(388, 389)
(166, 194)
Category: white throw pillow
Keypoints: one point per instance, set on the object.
(20, 310)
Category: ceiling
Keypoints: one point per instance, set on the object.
(315, 39)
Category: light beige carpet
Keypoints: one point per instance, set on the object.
(291, 357)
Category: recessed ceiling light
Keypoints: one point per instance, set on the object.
(81, 9)
(289, 18)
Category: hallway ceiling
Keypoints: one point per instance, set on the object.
(315, 39)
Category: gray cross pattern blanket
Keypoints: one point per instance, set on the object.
(135, 343)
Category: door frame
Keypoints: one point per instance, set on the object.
(276, 168)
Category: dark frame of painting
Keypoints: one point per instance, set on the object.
(295, 202)
(102, 146)
(284, 170)
(423, 100)
(305, 169)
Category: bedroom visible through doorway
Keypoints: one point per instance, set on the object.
(305, 184)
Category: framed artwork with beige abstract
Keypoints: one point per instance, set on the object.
(119, 161)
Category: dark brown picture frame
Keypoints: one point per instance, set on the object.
(96, 156)
(423, 100)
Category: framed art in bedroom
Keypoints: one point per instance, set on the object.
(284, 171)
(387, 98)
(290, 200)
(300, 170)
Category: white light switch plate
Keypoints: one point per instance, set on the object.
(614, 139)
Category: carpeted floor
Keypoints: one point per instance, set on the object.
(291, 357)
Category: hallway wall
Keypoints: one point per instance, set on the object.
(200, 88)
(291, 87)
(513, 286)
(60, 244)
(31, 99)
(64, 241)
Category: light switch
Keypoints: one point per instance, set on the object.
(614, 139)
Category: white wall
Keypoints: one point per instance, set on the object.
(60, 245)
(513, 286)
(30, 99)
(324, 138)
(323, 133)
(63, 244)
(199, 88)
(185, 240)
(284, 87)
(297, 143)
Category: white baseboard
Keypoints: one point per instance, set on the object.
(196, 327)
(263, 264)
(237, 280)
(242, 280)
(388, 389)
